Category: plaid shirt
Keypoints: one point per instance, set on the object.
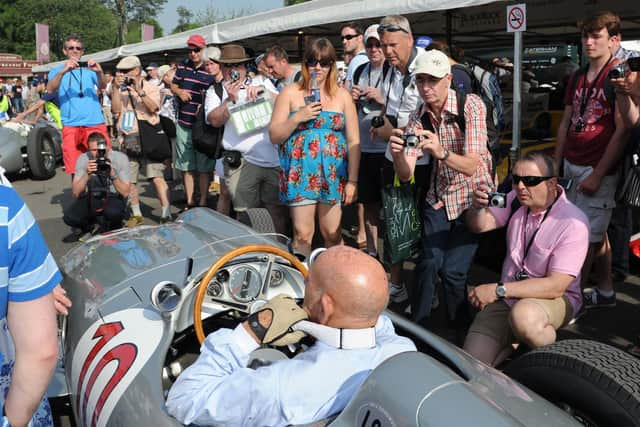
(449, 188)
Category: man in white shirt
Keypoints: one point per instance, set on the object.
(353, 45)
(345, 294)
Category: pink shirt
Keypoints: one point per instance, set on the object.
(560, 245)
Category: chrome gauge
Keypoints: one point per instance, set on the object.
(216, 286)
(276, 278)
(245, 284)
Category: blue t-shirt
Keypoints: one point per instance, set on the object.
(78, 110)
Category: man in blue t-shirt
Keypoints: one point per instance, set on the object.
(76, 84)
(29, 281)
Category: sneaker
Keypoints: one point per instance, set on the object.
(135, 221)
(595, 299)
(166, 219)
(397, 293)
(72, 237)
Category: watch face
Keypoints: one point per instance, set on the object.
(501, 291)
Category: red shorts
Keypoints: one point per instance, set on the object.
(74, 143)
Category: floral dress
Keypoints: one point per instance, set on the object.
(313, 161)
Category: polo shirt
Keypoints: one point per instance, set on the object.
(560, 244)
(193, 80)
(76, 110)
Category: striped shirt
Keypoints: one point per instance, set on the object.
(27, 268)
(449, 188)
(193, 80)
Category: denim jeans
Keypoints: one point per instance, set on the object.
(448, 248)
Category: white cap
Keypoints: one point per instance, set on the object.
(372, 31)
(434, 63)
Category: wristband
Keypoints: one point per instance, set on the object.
(256, 327)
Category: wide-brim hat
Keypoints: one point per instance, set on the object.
(233, 54)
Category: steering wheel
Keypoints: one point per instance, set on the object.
(221, 262)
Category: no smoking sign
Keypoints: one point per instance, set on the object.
(516, 18)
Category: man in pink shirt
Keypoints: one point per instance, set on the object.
(547, 242)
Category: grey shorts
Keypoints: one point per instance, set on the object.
(597, 207)
(252, 186)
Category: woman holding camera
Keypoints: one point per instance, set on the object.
(320, 147)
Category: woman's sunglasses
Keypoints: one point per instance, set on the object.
(529, 181)
(325, 63)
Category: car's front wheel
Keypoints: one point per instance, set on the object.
(41, 153)
(596, 383)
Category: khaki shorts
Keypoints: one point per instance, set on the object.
(148, 169)
(494, 320)
(108, 116)
(252, 186)
(597, 207)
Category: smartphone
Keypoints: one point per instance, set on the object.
(83, 64)
(634, 63)
(566, 183)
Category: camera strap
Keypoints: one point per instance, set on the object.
(535, 233)
(587, 88)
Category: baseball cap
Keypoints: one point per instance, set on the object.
(152, 66)
(212, 53)
(196, 40)
(423, 41)
(35, 82)
(162, 70)
(434, 63)
(372, 31)
(128, 62)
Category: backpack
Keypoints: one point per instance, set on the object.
(487, 88)
(358, 72)
(206, 138)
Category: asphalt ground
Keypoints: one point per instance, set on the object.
(617, 326)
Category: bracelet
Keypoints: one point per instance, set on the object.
(352, 181)
(446, 155)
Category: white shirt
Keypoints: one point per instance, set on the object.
(218, 389)
(256, 147)
(359, 59)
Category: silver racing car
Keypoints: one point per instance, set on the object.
(145, 298)
(34, 148)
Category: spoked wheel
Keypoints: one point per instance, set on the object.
(41, 153)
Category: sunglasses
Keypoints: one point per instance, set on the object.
(325, 63)
(392, 28)
(234, 65)
(78, 48)
(372, 45)
(349, 36)
(530, 181)
(194, 49)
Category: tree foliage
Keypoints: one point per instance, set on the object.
(138, 11)
(134, 30)
(292, 2)
(89, 19)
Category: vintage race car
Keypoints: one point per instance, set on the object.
(35, 148)
(145, 298)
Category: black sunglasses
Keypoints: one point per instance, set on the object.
(392, 28)
(194, 49)
(349, 36)
(372, 45)
(78, 48)
(326, 63)
(530, 181)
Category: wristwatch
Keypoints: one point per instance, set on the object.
(501, 290)
(445, 156)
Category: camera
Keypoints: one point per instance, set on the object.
(522, 275)
(83, 64)
(410, 140)
(103, 164)
(377, 122)
(580, 125)
(128, 81)
(497, 199)
(617, 72)
(235, 75)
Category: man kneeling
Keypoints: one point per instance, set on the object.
(100, 188)
(345, 293)
(547, 241)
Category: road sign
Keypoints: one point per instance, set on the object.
(516, 18)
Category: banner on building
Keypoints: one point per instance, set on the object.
(42, 43)
(147, 32)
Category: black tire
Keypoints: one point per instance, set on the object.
(598, 384)
(41, 153)
(259, 219)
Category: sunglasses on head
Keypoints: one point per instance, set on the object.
(530, 181)
(75, 48)
(349, 36)
(194, 49)
(392, 28)
(325, 63)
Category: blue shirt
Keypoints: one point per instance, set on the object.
(78, 110)
(218, 389)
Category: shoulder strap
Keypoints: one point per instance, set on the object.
(217, 86)
(358, 72)
(461, 99)
(515, 205)
(297, 76)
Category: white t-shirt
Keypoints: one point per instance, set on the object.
(256, 147)
(359, 59)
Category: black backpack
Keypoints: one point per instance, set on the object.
(205, 138)
(358, 71)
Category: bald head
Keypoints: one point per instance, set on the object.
(346, 288)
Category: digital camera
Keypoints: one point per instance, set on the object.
(103, 164)
(377, 122)
(411, 140)
(128, 81)
(235, 75)
(617, 72)
(497, 199)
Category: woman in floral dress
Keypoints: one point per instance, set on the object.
(319, 148)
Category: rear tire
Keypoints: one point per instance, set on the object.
(41, 153)
(598, 384)
(259, 219)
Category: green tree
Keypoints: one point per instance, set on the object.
(127, 11)
(292, 2)
(134, 33)
(89, 19)
(185, 17)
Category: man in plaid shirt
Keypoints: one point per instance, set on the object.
(461, 161)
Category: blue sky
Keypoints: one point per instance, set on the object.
(169, 18)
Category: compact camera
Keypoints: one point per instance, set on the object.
(617, 72)
(83, 64)
(522, 275)
(497, 199)
(103, 164)
(580, 125)
(410, 140)
(128, 81)
(235, 75)
(377, 122)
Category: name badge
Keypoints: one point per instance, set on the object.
(251, 116)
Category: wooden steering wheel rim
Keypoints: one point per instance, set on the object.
(224, 259)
